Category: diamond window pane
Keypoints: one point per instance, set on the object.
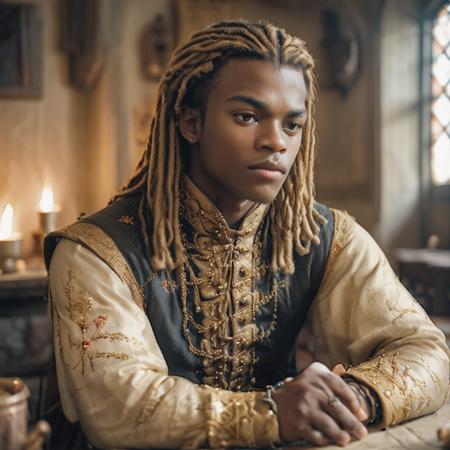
(441, 109)
(436, 88)
(440, 105)
(441, 160)
(441, 31)
(437, 50)
(441, 69)
(436, 129)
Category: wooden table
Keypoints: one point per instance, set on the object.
(418, 434)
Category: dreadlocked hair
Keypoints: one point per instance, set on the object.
(294, 223)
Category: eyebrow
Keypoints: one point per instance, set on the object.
(258, 104)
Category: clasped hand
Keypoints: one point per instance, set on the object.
(318, 406)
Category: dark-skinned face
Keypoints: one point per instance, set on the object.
(250, 133)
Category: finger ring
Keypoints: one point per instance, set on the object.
(278, 385)
(333, 400)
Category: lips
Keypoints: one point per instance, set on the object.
(269, 165)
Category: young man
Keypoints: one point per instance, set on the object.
(176, 308)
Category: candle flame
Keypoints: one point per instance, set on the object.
(47, 202)
(6, 222)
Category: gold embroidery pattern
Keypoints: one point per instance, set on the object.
(150, 277)
(90, 330)
(129, 220)
(101, 243)
(394, 307)
(241, 421)
(169, 286)
(222, 269)
(392, 377)
(234, 423)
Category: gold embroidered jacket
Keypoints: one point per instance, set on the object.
(114, 379)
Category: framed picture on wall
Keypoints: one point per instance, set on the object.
(20, 50)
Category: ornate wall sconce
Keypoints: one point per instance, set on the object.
(156, 45)
(341, 47)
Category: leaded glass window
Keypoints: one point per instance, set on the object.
(440, 106)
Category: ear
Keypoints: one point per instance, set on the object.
(190, 124)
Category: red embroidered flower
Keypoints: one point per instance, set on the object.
(86, 343)
(100, 320)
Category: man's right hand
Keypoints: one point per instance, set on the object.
(318, 406)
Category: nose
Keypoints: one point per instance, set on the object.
(272, 137)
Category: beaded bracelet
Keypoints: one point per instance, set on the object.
(371, 399)
(268, 396)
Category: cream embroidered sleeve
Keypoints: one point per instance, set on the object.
(364, 318)
(113, 377)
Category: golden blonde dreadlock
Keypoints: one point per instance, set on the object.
(293, 220)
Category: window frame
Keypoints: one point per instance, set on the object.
(430, 191)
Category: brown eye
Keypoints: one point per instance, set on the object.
(246, 117)
(293, 127)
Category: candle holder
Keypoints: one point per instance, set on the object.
(47, 221)
(10, 250)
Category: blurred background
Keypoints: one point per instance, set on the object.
(78, 85)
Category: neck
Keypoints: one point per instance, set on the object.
(232, 209)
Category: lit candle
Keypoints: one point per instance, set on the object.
(48, 212)
(10, 242)
(47, 202)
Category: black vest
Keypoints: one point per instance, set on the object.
(275, 356)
